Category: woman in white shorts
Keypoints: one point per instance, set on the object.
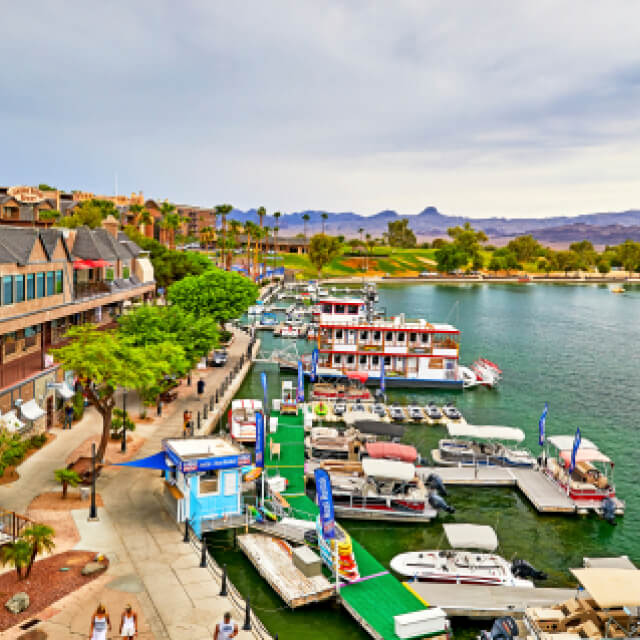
(99, 624)
(129, 623)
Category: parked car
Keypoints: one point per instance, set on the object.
(219, 359)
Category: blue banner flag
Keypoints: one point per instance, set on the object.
(542, 423)
(300, 390)
(315, 354)
(263, 379)
(325, 503)
(382, 374)
(260, 440)
(577, 439)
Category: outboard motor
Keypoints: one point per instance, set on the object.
(609, 511)
(435, 482)
(503, 629)
(439, 503)
(522, 569)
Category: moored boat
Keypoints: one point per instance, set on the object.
(243, 419)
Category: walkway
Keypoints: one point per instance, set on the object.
(149, 563)
(373, 602)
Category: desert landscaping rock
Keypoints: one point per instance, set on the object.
(17, 603)
(92, 567)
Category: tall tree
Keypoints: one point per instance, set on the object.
(322, 250)
(89, 213)
(305, 219)
(224, 210)
(40, 538)
(67, 478)
(262, 212)
(171, 221)
(276, 228)
(17, 554)
(324, 217)
(361, 231)
(525, 248)
(399, 234)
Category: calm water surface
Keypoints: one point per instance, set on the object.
(575, 347)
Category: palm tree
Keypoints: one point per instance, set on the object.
(16, 553)
(251, 230)
(267, 233)
(361, 231)
(216, 213)
(305, 218)
(234, 229)
(171, 220)
(262, 212)
(324, 217)
(66, 477)
(260, 236)
(40, 538)
(224, 210)
(276, 228)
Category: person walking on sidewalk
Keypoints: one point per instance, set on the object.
(99, 624)
(129, 623)
(68, 415)
(226, 629)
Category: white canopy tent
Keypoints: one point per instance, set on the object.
(565, 443)
(471, 536)
(487, 432)
(10, 422)
(388, 469)
(31, 410)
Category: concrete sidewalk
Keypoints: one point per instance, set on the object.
(150, 566)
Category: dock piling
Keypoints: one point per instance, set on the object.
(205, 410)
(199, 420)
(203, 553)
(223, 587)
(247, 617)
(186, 530)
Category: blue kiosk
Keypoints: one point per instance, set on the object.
(203, 480)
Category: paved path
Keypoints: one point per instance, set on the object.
(150, 565)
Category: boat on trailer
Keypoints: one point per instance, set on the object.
(471, 560)
(471, 445)
(242, 419)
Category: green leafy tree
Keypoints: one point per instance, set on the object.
(89, 213)
(450, 257)
(525, 248)
(40, 538)
(467, 239)
(603, 266)
(118, 420)
(629, 255)
(400, 235)
(586, 253)
(17, 554)
(322, 250)
(171, 221)
(67, 478)
(220, 295)
(51, 214)
(43, 186)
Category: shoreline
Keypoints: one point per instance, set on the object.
(480, 280)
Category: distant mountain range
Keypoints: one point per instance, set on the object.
(600, 228)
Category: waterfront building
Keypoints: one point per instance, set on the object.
(51, 280)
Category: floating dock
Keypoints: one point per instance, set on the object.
(272, 559)
(477, 601)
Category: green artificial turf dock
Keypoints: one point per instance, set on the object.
(375, 601)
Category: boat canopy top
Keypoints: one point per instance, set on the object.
(485, 432)
(246, 403)
(392, 450)
(584, 455)
(565, 443)
(471, 536)
(389, 469)
(611, 588)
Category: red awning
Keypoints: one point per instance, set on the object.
(97, 264)
(82, 264)
(362, 376)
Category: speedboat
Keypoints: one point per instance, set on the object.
(415, 412)
(433, 412)
(243, 419)
(451, 412)
(379, 410)
(397, 413)
(470, 560)
(339, 408)
(472, 445)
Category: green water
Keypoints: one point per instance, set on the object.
(575, 347)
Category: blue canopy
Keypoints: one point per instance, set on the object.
(156, 461)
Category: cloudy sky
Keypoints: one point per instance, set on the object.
(478, 108)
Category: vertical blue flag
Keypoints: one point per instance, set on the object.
(260, 440)
(325, 503)
(263, 379)
(300, 390)
(541, 424)
(382, 374)
(314, 364)
(574, 451)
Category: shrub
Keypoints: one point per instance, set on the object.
(78, 405)
(116, 423)
(38, 441)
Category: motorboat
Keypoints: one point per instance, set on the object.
(433, 412)
(590, 483)
(339, 408)
(242, 419)
(380, 489)
(397, 413)
(379, 410)
(451, 412)
(487, 373)
(473, 445)
(391, 451)
(324, 443)
(268, 319)
(415, 412)
(471, 560)
(291, 329)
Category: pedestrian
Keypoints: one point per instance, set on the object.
(100, 623)
(200, 387)
(226, 629)
(68, 415)
(129, 623)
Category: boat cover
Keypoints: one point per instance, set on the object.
(584, 455)
(611, 588)
(31, 410)
(463, 430)
(565, 443)
(391, 450)
(471, 536)
(391, 469)
(379, 428)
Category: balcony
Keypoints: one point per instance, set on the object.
(91, 289)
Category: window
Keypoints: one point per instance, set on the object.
(351, 359)
(388, 336)
(108, 274)
(401, 336)
(337, 358)
(353, 308)
(19, 288)
(339, 334)
(125, 272)
(7, 290)
(375, 361)
(377, 335)
(31, 286)
(425, 338)
(59, 284)
(339, 308)
(51, 283)
(363, 359)
(327, 308)
(413, 337)
(209, 482)
(364, 335)
(387, 361)
(40, 285)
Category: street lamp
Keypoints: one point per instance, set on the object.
(123, 444)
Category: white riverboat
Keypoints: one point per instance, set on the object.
(470, 560)
(242, 419)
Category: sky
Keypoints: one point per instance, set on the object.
(492, 108)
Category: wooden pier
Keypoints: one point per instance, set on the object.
(477, 601)
(272, 559)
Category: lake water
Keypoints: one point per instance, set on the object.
(575, 347)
